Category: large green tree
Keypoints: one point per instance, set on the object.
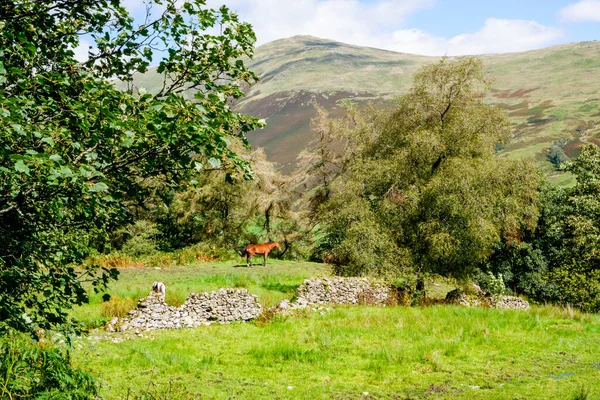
(74, 150)
(570, 234)
(559, 262)
(426, 192)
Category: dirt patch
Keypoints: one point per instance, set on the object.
(507, 94)
(536, 112)
(288, 117)
(512, 107)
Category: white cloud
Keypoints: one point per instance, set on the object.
(346, 20)
(585, 10)
(496, 36)
(81, 51)
(502, 36)
(381, 24)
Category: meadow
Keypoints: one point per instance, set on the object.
(344, 352)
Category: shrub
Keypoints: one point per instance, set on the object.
(556, 155)
(578, 287)
(160, 260)
(113, 260)
(32, 370)
(490, 283)
(194, 254)
(117, 306)
(141, 239)
(525, 270)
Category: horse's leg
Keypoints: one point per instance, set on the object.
(265, 256)
(248, 260)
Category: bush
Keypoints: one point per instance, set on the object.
(141, 239)
(556, 155)
(113, 260)
(490, 283)
(525, 270)
(160, 260)
(578, 287)
(33, 370)
(203, 252)
(117, 306)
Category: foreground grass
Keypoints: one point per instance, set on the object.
(349, 352)
(394, 352)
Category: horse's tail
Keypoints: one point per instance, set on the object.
(287, 245)
(243, 252)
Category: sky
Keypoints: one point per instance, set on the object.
(428, 27)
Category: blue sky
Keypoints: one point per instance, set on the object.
(430, 27)
(453, 17)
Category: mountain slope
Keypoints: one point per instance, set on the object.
(549, 94)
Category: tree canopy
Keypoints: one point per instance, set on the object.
(75, 150)
(426, 191)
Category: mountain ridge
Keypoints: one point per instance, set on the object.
(549, 94)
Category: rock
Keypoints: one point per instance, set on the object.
(228, 304)
(457, 296)
(509, 302)
(284, 304)
(338, 290)
(224, 306)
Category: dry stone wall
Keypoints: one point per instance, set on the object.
(222, 306)
(511, 302)
(457, 296)
(338, 290)
(227, 305)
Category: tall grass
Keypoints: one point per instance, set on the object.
(389, 352)
(117, 306)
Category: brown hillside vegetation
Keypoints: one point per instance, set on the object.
(550, 94)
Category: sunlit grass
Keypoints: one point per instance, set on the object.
(394, 352)
(439, 351)
(273, 283)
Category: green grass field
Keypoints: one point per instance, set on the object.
(346, 353)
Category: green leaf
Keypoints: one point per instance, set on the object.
(214, 163)
(18, 128)
(66, 171)
(20, 166)
(99, 187)
(48, 140)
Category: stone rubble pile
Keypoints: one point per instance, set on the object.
(317, 293)
(510, 302)
(457, 296)
(338, 290)
(222, 306)
(227, 305)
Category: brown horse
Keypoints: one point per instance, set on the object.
(262, 248)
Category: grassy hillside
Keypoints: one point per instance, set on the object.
(549, 94)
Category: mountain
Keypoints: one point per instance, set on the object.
(550, 95)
